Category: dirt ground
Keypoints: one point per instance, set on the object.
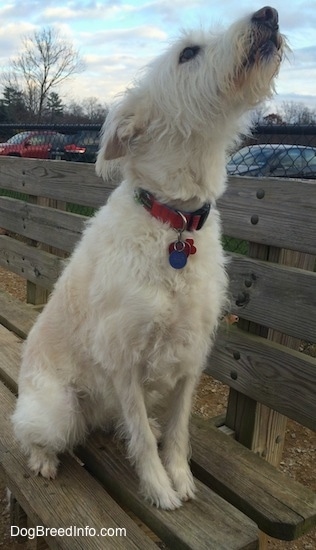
(298, 459)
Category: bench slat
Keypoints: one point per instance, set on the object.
(281, 507)
(73, 499)
(207, 522)
(276, 296)
(281, 378)
(16, 315)
(55, 180)
(38, 266)
(49, 225)
(10, 358)
(285, 215)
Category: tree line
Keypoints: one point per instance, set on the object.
(289, 112)
(13, 110)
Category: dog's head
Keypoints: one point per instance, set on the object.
(259, 51)
(199, 87)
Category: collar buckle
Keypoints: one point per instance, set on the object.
(179, 220)
(199, 217)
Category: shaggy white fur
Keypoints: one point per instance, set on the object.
(123, 327)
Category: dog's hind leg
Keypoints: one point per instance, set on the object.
(175, 440)
(47, 421)
(155, 484)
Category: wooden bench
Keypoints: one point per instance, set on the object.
(241, 494)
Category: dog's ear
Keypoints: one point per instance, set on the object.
(126, 121)
(118, 137)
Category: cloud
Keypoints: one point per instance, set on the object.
(127, 36)
(10, 39)
(15, 10)
(110, 75)
(82, 11)
(305, 56)
(298, 15)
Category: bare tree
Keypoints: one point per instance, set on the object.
(298, 113)
(47, 60)
(94, 110)
(87, 111)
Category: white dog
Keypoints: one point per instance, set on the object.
(134, 313)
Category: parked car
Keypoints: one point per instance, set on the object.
(277, 160)
(35, 144)
(83, 146)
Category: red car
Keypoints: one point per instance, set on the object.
(40, 145)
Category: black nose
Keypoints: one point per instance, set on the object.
(266, 16)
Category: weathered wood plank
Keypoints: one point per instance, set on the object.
(16, 315)
(281, 378)
(48, 225)
(37, 266)
(67, 181)
(74, 498)
(207, 522)
(10, 358)
(279, 505)
(283, 217)
(274, 295)
(17, 517)
(35, 292)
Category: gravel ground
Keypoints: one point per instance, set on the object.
(298, 459)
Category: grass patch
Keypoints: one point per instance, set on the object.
(14, 195)
(230, 244)
(80, 209)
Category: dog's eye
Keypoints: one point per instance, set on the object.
(189, 53)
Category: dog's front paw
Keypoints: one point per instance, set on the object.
(41, 462)
(161, 497)
(183, 481)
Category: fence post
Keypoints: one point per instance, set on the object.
(36, 294)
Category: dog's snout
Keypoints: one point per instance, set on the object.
(266, 16)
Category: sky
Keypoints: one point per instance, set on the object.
(116, 38)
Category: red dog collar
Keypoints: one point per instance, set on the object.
(179, 220)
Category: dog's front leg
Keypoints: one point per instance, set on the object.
(175, 443)
(155, 484)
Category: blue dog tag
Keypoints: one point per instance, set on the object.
(178, 259)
